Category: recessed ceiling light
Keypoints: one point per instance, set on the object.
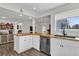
(20, 15)
(3, 17)
(34, 8)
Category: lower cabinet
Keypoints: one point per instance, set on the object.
(16, 43)
(23, 43)
(58, 47)
(36, 42)
(71, 48)
(64, 47)
(55, 46)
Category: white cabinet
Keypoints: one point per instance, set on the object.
(28, 42)
(76, 51)
(67, 49)
(55, 46)
(64, 47)
(22, 43)
(61, 47)
(36, 42)
(25, 43)
(71, 48)
(16, 43)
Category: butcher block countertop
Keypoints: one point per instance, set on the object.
(70, 38)
(35, 34)
(48, 35)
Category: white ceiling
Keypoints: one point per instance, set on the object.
(28, 7)
(12, 16)
(12, 10)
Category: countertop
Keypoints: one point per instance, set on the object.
(66, 38)
(34, 34)
(47, 35)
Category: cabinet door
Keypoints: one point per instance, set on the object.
(76, 51)
(64, 48)
(61, 49)
(36, 42)
(25, 43)
(55, 47)
(16, 43)
(22, 43)
(71, 48)
(28, 42)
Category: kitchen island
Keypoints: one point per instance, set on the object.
(25, 41)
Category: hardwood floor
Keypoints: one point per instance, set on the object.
(7, 50)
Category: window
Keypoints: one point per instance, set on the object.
(73, 22)
(60, 24)
(68, 23)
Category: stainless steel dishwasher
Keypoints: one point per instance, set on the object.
(45, 44)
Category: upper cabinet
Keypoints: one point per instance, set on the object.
(42, 22)
(6, 26)
(26, 26)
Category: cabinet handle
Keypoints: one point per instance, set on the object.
(25, 40)
(61, 45)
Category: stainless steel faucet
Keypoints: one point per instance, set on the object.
(64, 32)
